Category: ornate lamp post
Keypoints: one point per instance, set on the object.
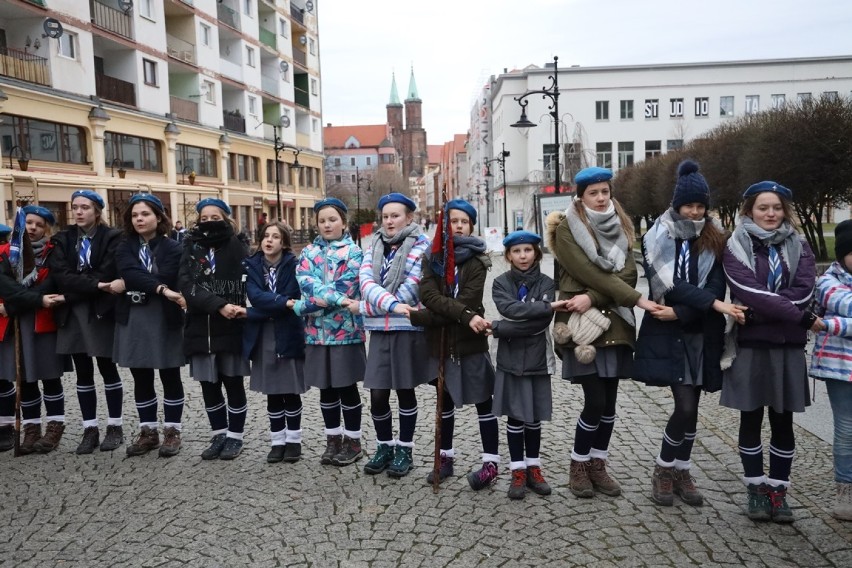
(279, 145)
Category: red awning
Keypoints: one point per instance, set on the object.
(284, 202)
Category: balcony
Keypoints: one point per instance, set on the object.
(302, 98)
(228, 16)
(115, 90)
(298, 14)
(180, 49)
(300, 57)
(231, 70)
(268, 38)
(234, 121)
(184, 109)
(270, 84)
(110, 19)
(25, 66)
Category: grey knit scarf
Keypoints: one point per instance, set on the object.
(740, 243)
(606, 246)
(396, 272)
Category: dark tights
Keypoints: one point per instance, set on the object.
(679, 435)
(333, 399)
(146, 396)
(230, 416)
(381, 413)
(594, 428)
(488, 431)
(86, 386)
(782, 444)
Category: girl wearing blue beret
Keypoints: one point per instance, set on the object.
(335, 357)
(469, 374)
(526, 299)
(399, 354)
(212, 281)
(149, 322)
(32, 301)
(83, 263)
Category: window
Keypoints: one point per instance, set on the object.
(778, 101)
(283, 172)
(314, 87)
(205, 34)
(209, 90)
(312, 46)
(626, 110)
(43, 140)
(133, 152)
(369, 161)
(603, 154)
(702, 106)
(282, 27)
(68, 45)
(351, 161)
(625, 154)
(804, 97)
(243, 168)
(337, 162)
(200, 160)
(252, 105)
(250, 56)
(652, 149)
(652, 108)
(752, 104)
(675, 108)
(726, 106)
(314, 125)
(674, 145)
(247, 7)
(830, 95)
(353, 178)
(548, 156)
(337, 179)
(149, 69)
(146, 8)
(602, 110)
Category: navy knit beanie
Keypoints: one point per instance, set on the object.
(842, 240)
(691, 187)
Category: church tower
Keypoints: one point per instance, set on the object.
(414, 155)
(394, 114)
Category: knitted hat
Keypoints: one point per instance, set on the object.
(843, 240)
(583, 329)
(691, 187)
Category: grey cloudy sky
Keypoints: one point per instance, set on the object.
(456, 45)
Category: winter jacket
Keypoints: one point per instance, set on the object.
(523, 345)
(607, 290)
(772, 319)
(17, 303)
(378, 304)
(455, 313)
(15, 297)
(660, 358)
(82, 286)
(832, 357)
(328, 271)
(206, 292)
(165, 255)
(267, 305)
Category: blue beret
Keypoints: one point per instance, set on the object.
(148, 197)
(772, 186)
(212, 201)
(397, 198)
(5, 229)
(462, 205)
(521, 238)
(588, 176)
(90, 195)
(330, 202)
(42, 212)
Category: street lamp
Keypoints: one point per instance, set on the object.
(23, 161)
(279, 146)
(553, 94)
(121, 171)
(358, 180)
(501, 159)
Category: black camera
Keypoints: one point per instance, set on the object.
(137, 297)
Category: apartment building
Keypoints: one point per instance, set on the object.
(183, 98)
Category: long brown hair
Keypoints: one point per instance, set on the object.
(712, 238)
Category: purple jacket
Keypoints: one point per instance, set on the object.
(776, 318)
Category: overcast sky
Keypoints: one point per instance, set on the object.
(455, 45)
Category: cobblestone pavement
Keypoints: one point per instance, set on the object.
(109, 510)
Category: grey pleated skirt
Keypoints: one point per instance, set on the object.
(271, 374)
(94, 336)
(527, 398)
(767, 376)
(146, 342)
(469, 380)
(335, 366)
(399, 360)
(693, 363)
(206, 367)
(610, 363)
(40, 359)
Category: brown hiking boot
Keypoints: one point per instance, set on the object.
(684, 487)
(52, 435)
(171, 442)
(662, 483)
(32, 434)
(578, 480)
(600, 479)
(350, 452)
(148, 439)
(332, 448)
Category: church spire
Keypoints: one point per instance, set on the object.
(412, 94)
(394, 95)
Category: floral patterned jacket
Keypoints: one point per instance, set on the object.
(328, 271)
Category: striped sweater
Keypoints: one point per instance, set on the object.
(377, 303)
(832, 357)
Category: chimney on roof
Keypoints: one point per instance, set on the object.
(328, 124)
(505, 70)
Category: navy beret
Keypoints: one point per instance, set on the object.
(588, 176)
(90, 195)
(330, 202)
(148, 197)
(42, 212)
(397, 198)
(216, 202)
(521, 238)
(5, 229)
(463, 205)
(772, 186)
